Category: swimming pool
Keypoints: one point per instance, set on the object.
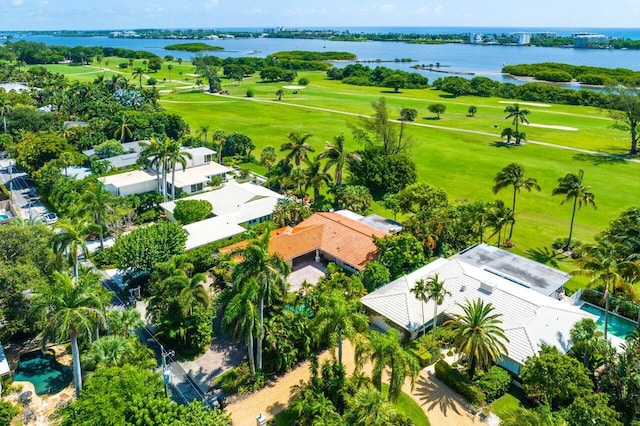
(618, 326)
(4, 216)
(47, 375)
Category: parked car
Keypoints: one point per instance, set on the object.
(50, 218)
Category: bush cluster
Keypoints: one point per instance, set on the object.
(494, 383)
(459, 383)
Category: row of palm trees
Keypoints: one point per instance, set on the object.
(164, 156)
(570, 186)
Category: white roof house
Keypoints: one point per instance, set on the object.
(529, 318)
(232, 205)
(134, 182)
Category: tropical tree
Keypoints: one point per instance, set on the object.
(513, 175)
(624, 107)
(472, 110)
(70, 311)
(5, 109)
(339, 316)
(570, 185)
(242, 319)
(175, 156)
(337, 156)
(368, 408)
(268, 157)
(477, 335)
(69, 238)
(298, 147)
(507, 133)
(98, 203)
(124, 130)
(219, 138)
(170, 68)
(419, 290)
(204, 131)
(279, 94)
(139, 73)
(436, 292)
(386, 351)
(587, 339)
(124, 322)
(269, 270)
(317, 176)
(154, 155)
(498, 216)
(116, 351)
(517, 115)
(437, 109)
(605, 265)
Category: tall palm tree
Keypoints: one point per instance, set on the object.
(507, 133)
(170, 68)
(338, 317)
(124, 322)
(420, 292)
(219, 138)
(518, 116)
(152, 156)
(368, 407)
(70, 311)
(317, 176)
(297, 178)
(385, 350)
(139, 73)
(176, 156)
(513, 175)
(124, 130)
(478, 334)
(298, 147)
(98, 203)
(69, 238)
(204, 131)
(570, 185)
(242, 319)
(437, 293)
(5, 109)
(605, 265)
(587, 339)
(338, 156)
(499, 216)
(269, 270)
(192, 292)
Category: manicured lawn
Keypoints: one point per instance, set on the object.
(509, 402)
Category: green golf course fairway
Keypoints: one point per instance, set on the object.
(458, 153)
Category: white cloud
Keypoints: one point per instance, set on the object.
(17, 3)
(422, 10)
(255, 11)
(438, 9)
(211, 4)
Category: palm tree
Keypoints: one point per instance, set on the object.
(204, 131)
(5, 109)
(570, 185)
(605, 265)
(70, 311)
(139, 73)
(298, 146)
(124, 130)
(69, 237)
(170, 68)
(298, 178)
(269, 270)
(338, 317)
(337, 155)
(317, 176)
(153, 157)
(385, 350)
(437, 293)
(107, 351)
(368, 407)
(507, 133)
(98, 203)
(219, 138)
(242, 319)
(587, 339)
(192, 291)
(513, 175)
(124, 322)
(420, 292)
(498, 216)
(478, 335)
(175, 156)
(542, 416)
(518, 115)
(268, 157)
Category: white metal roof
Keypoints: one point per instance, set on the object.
(198, 174)
(529, 318)
(210, 230)
(128, 178)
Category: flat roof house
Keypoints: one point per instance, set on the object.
(529, 317)
(134, 182)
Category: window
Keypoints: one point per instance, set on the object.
(207, 158)
(196, 188)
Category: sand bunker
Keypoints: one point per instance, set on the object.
(293, 87)
(526, 103)
(546, 126)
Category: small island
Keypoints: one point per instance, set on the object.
(302, 55)
(194, 47)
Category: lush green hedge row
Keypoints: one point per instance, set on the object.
(460, 383)
(621, 307)
(303, 55)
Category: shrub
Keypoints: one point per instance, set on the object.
(250, 93)
(201, 257)
(494, 383)
(148, 216)
(459, 383)
(152, 81)
(123, 65)
(7, 412)
(103, 258)
(303, 81)
(189, 211)
(408, 114)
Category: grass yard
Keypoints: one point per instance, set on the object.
(461, 154)
(509, 402)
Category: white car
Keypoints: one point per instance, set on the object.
(50, 218)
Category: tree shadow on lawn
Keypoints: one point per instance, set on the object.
(503, 144)
(432, 118)
(447, 96)
(433, 393)
(598, 159)
(545, 256)
(391, 92)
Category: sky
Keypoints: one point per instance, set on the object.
(132, 14)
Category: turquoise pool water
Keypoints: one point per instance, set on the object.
(47, 375)
(3, 217)
(618, 326)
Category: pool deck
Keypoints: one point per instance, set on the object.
(43, 407)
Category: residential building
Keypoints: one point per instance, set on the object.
(529, 318)
(133, 182)
(584, 40)
(129, 158)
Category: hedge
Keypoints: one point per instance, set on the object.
(459, 383)
(494, 383)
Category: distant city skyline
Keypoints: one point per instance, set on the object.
(130, 14)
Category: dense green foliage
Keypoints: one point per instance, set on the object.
(494, 383)
(189, 211)
(7, 412)
(400, 253)
(382, 173)
(313, 56)
(459, 382)
(361, 75)
(41, 53)
(550, 71)
(194, 47)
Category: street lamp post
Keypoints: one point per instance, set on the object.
(165, 368)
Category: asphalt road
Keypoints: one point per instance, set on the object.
(16, 182)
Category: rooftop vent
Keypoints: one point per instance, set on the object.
(487, 287)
